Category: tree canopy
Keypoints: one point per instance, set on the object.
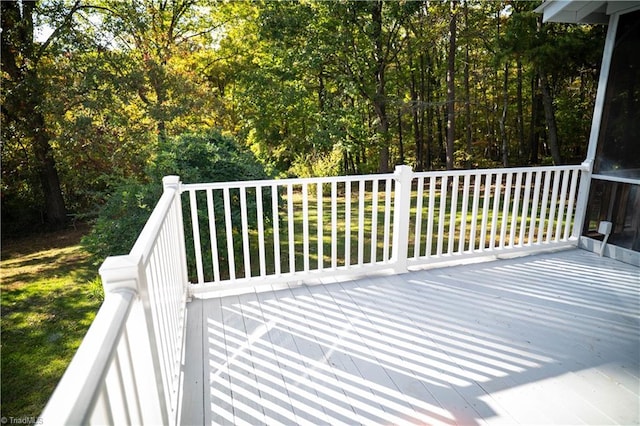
(94, 90)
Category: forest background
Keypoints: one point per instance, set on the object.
(96, 92)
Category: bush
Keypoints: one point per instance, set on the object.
(207, 157)
(318, 164)
(121, 219)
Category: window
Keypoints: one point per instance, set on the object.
(618, 152)
(615, 187)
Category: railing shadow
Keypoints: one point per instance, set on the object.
(460, 345)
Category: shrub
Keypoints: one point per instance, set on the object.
(203, 157)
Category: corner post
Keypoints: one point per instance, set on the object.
(122, 273)
(172, 182)
(582, 199)
(403, 176)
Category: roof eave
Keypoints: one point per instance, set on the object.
(574, 11)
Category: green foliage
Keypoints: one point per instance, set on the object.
(318, 165)
(21, 194)
(205, 157)
(309, 87)
(121, 219)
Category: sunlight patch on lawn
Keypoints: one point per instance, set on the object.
(49, 299)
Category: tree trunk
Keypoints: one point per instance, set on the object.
(415, 117)
(441, 130)
(416, 128)
(547, 103)
(550, 118)
(428, 95)
(321, 93)
(379, 99)
(451, 88)
(534, 132)
(520, 112)
(55, 211)
(400, 141)
(157, 75)
(467, 90)
(24, 101)
(503, 117)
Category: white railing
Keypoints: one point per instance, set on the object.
(278, 230)
(127, 368)
(477, 212)
(245, 233)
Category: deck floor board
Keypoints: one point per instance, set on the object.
(544, 339)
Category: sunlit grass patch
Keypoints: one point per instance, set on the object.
(49, 298)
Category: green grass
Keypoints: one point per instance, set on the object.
(50, 295)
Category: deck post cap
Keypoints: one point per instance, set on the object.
(119, 272)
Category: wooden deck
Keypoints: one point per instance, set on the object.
(544, 339)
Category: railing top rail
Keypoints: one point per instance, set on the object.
(357, 178)
(465, 172)
(145, 241)
(282, 182)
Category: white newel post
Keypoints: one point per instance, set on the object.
(582, 199)
(401, 214)
(173, 183)
(123, 273)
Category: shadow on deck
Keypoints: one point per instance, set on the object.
(552, 338)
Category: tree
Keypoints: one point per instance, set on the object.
(549, 113)
(153, 46)
(451, 85)
(310, 87)
(391, 25)
(467, 87)
(23, 91)
(111, 76)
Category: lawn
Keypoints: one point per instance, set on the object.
(49, 297)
